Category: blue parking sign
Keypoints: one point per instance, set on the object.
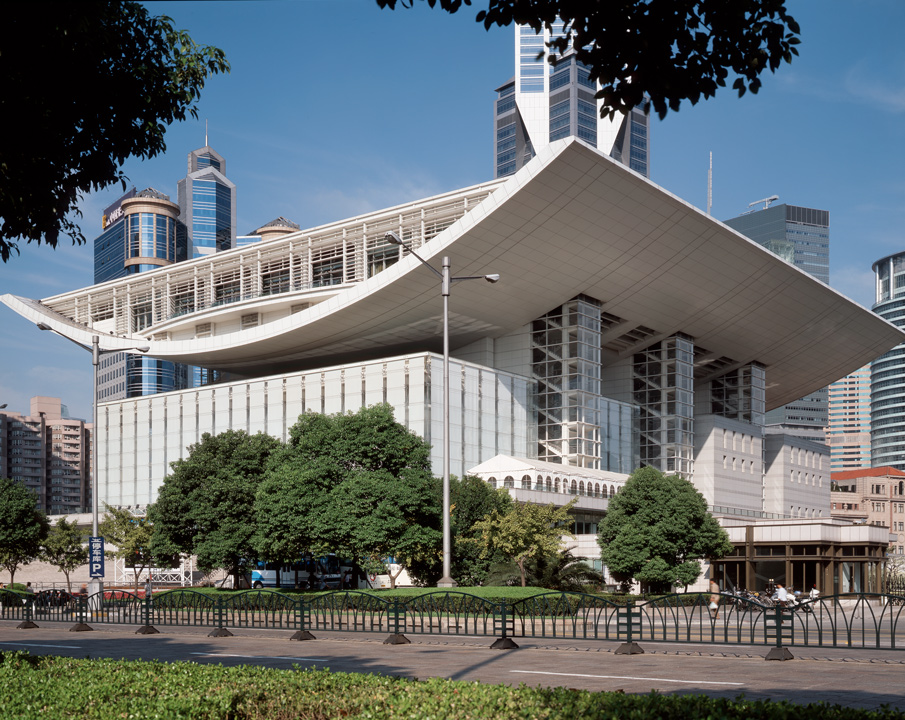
(96, 557)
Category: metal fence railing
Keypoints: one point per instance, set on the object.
(858, 620)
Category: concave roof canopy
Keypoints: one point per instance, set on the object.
(572, 221)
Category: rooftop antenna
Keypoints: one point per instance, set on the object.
(710, 185)
(205, 133)
(766, 201)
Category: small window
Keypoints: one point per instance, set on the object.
(204, 330)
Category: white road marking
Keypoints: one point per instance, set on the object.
(625, 677)
(68, 647)
(260, 657)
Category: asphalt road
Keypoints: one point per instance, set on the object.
(856, 678)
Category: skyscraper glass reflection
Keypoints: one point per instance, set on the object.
(544, 103)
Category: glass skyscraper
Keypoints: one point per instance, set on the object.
(141, 232)
(207, 204)
(800, 236)
(887, 382)
(543, 103)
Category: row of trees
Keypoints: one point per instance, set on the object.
(360, 485)
(26, 534)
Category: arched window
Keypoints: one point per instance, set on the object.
(612, 490)
(509, 482)
(549, 484)
(492, 482)
(540, 483)
(555, 484)
(581, 488)
(605, 493)
(526, 482)
(573, 488)
(596, 489)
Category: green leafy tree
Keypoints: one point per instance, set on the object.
(653, 52)
(471, 499)
(83, 87)
(376, 515)
(128, 537)
(22, 526)
(357, 484)
(656, 530)
(65, 548)
(525, 532)
(205, 506)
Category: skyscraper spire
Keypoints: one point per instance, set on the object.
(205, 133)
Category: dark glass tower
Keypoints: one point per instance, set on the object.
(800, 236)
(887, 377)
(140, 234)
(543, 103)
(207, 204)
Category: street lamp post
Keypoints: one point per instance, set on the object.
(96, 352)
(446, 280)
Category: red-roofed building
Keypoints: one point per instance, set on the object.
(872, 496)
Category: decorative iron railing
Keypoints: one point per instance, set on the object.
(861, 620)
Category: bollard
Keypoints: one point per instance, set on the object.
(396, 637)
(81, 624)
(301, 620)
(778, 652)
(504, 642)
(146, 610)
(28, 623)
(626, 616)
(220, 631)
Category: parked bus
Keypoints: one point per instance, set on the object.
(308, 572)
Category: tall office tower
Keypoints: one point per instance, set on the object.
(140, 234)
(800, 236)
(848, 431)
(207, 204)
(50, 453)
(543, 103)
(887, 381)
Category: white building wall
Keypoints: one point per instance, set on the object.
(796, 477)
(489, 415)
(728, 466)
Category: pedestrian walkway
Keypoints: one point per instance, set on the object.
(856, 678)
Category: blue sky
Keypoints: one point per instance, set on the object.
(335, 107)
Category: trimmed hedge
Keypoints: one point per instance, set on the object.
(41, 687)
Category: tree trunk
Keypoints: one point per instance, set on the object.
(393, 577)
(521, 569)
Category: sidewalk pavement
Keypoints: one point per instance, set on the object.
(854, 678)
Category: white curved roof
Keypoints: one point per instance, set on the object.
(572, 221)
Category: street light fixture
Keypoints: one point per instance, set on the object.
(96, 352)
(446, 282)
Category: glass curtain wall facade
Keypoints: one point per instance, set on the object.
(663, 380)
(740, 394)
(491, 413)
(576, 425)
(207, 204)
(887, 382)
(544, 103)
(144, 236)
